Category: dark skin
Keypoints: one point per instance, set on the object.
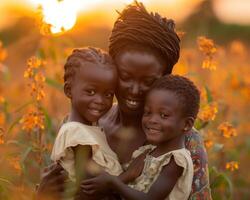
(137, 70)
(164, 125)
(91, 93)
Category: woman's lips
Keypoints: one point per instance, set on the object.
(133, 103)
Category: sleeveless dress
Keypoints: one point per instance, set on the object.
(153, 167)
(193, 142)
(72, 134)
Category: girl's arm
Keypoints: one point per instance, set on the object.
(159, 190)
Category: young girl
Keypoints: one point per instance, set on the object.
(81, 146)
(170, 109)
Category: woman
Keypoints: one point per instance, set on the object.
(144, 47)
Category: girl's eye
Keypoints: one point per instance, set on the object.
(91, 92)
(163, 115)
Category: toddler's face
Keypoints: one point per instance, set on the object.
(92, 91)
(162, 120)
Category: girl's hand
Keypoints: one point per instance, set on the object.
(100, 184)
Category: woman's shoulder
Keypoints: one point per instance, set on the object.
(110, 121)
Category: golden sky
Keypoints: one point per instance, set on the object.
(229, 11)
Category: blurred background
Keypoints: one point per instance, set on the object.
(37, 35)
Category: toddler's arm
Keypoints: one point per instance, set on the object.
(159, 190)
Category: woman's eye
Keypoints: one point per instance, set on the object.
(110, 95)
(90, 92)
(163, 115)
(145, 113)
(124, 77)
(149, 82)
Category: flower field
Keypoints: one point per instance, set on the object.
(33, 105)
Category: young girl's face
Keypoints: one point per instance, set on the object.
(92, 91)
(162, 120)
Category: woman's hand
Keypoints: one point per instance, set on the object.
(99, 184)
(52, 182)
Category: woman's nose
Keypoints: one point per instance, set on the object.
(135, 88)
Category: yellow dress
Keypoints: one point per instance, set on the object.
(72, 134)
(153, 167)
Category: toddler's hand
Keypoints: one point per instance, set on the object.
(100, 184)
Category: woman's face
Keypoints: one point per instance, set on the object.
(137, 70)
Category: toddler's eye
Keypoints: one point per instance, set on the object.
(90, 92)
(146, 112)
(164, 116)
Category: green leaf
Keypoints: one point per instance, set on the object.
(54, 83)
(209, 95)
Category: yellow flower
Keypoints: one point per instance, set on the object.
(232, 166)
(2, 99)
(227, 130)
(207, 47)
(209, 64)
(208, 112)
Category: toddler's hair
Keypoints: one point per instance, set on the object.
(80, 56)
(185, 90)
(136, 27)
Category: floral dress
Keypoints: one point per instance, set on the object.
(200, 185)
(153, 167)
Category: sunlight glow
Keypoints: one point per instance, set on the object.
(61, 15)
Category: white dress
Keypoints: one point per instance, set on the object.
(153, 167)
(72, 134)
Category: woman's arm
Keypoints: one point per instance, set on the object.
(52, 182)
(200, 185)
(159, 190)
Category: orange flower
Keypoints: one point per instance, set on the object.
(1, 136)
(3, 52)
(15, 163)
(2, 119)
(208, 112)
(35, 75)
(208, 143)
(232, 166)
(227, 130)
(207, 47)
(33, 120)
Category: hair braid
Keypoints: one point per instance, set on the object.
(135, 26)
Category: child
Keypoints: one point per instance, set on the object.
(170, 109)
(89, 82)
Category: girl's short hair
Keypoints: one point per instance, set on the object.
(80, 56)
